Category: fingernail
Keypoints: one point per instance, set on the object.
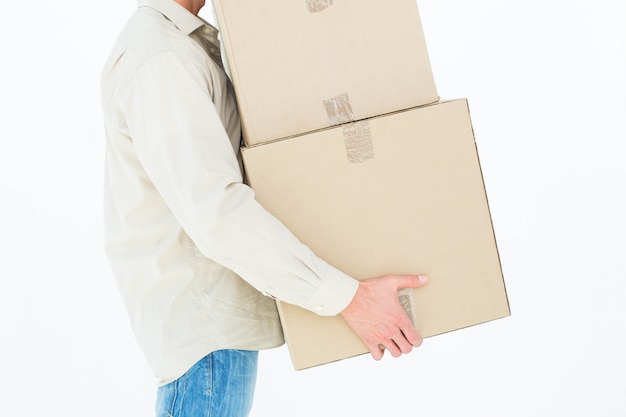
(422, 278)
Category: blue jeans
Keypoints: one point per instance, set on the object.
(219, 385)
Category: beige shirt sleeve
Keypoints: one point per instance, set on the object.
(185, 151)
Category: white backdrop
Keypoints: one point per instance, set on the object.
(546, 85)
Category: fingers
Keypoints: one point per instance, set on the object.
(377, 351)
(409, 281)
(407, 338)
(397, 344)
(396, 347)
(393, 349)
(410, 334)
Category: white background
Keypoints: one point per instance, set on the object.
(546, 85)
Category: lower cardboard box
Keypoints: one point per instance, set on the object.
(398, 193)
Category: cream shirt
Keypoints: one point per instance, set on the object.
(196, 258)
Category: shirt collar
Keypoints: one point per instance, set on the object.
(181, 17)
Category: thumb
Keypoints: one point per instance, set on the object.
(411, 281)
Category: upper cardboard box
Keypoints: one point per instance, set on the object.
(299, 66)
(401, 193)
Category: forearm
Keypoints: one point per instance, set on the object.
(182, 145)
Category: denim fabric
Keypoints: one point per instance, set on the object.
(219, 385)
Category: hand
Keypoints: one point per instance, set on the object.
(376, 316)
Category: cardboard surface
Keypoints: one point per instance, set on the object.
(417, 205)
(286, 61)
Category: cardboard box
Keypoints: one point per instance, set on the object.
(299, 66)
(404, 194)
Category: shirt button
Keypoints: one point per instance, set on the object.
(207, 30)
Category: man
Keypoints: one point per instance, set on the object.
(197, 260)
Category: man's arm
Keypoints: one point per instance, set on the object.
(173, 110)
(182, 145)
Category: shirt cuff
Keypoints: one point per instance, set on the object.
(333, 295)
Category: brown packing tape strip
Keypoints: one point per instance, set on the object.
(338, 110)
(358, 141)
(407, 301)
(316, 6)
(357, 136)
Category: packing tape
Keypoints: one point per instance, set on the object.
(358, 141)
(338, 110)
(407, 301)
(316, 6)
(356, 135)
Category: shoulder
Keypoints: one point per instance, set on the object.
(149, 33)
(150, 42)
